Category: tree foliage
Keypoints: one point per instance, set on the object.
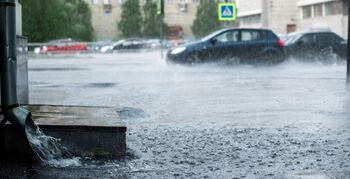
(206, 19)
(44, 20)
(130, 24)
(151, 23)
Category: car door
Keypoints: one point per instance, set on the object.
(224, 45)
(328, 44)
(252, 44)
(306, 47)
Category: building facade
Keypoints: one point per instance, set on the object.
(282, 16)
(285, 16)
(181, 13)
(323, 15)
(249, 13)
(278, 15)
(107, 13)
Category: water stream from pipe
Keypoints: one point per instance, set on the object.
(50, 151)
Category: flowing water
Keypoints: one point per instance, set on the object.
(49, 150)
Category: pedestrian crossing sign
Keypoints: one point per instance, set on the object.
(227, 11)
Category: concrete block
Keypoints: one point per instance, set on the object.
(85, 131)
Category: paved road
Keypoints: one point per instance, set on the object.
(207, 121)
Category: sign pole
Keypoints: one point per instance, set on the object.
(348, 59)
(161, 36)
(227, 22)
(160, 13)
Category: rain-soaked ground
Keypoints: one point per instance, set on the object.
(204, 121)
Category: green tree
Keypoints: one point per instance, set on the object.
(44, 20)
(81, 27)
(130, 24)
(206, 19)
(151, 23)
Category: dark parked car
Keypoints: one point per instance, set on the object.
(245, 45)
(130, 44)
(97, 46)
(156, 44)
(316, 46)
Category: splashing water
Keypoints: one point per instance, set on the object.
(50, 151)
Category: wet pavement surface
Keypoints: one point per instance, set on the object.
(204, 121)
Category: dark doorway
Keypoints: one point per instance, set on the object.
(291, 28)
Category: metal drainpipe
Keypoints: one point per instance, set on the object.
(18, 116)
(10, 109)
(8, 61)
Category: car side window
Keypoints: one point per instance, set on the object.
(308, 39)
(229, 36)
(249, 35)
(325, 39)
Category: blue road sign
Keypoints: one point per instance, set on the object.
(227, 11)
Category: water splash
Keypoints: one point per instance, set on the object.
(49, 150)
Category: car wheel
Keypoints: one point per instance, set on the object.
(332, 58)
(328, 56)
(271, 58)
(192, 59)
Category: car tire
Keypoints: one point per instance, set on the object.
(333, 58)
(328, 56)
(271, 58)
(325, 55)
(191, 59)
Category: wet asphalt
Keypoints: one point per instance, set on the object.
(204, 121)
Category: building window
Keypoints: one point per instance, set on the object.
(306, 12)
(183, 5)
(252, 19)
(331, 8)
(318, 10)
(107, 6)
(196, 2)
(170, 1)
(94, 1)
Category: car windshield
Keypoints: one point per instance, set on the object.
(293, 38)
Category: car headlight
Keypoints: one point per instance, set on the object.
(178, 50)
